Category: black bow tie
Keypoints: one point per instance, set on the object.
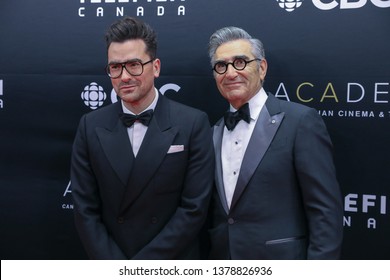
(232, 118)
(129, 119)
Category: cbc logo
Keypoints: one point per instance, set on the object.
(289, 5)
(349, 4)
(93, 96)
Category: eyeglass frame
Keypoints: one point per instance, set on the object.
(232, 63)
(123, 65)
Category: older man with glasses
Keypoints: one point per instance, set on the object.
(276, 194)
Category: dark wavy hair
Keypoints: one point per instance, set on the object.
(129, 28)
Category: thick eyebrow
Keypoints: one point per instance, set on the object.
(126, 61)
(233, 58)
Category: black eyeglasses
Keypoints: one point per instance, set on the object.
(133, 67)
(239, 64)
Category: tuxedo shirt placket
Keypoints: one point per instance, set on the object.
(235, 143)
(138, 133)
(233, 148)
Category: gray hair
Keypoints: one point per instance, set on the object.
(232, 33)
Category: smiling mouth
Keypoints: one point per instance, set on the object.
(236, 84)
(126, 87)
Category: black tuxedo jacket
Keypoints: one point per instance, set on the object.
(287, 202)
(151, 206)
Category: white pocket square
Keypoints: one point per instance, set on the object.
(175, 149)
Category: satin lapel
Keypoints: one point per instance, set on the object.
(261, 138)
(117, 148)
(153, 150)
(217, 138)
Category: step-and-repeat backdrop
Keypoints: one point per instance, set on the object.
(333, 55)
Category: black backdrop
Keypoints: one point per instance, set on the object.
(330, 55)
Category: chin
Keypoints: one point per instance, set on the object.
(234, 94)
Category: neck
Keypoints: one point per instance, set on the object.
(140, 105)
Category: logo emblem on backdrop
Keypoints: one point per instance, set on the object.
(289, 5)
(93, 96)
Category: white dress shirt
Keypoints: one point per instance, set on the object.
(137, 131)
(235, 142)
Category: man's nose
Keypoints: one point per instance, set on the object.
(231, 72)
(125, 76)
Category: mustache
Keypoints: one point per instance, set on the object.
(129, 83)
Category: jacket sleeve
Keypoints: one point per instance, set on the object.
(320, 189)
(87, 205)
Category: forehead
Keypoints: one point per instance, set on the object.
(127, 50)
(233, 49)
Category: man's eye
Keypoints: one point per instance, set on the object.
(239, 62)
(220, 65)
(115, 66)
(132, 65)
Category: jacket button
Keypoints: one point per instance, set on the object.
(154, 220)
(231, 221)
(121, 220)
